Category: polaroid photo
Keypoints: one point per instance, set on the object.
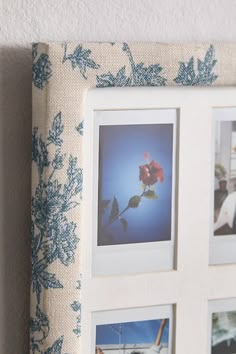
(222, 326)
(133, 331)
(223, 238)
(133, 182)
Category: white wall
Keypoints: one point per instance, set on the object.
(24, 21)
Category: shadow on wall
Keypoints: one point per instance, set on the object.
(15, 181)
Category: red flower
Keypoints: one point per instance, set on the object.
(150, 173)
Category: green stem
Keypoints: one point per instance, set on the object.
(111, 222)
(123, 211)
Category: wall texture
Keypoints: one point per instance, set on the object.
(25, 21)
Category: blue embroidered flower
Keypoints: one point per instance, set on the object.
(41, 68)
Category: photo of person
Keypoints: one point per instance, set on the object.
(223, 333)
(141, 337)
(135, 183)
(225, 178)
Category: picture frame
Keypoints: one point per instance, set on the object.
(193, 250)
(63, 73)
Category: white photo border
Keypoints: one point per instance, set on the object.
(156, 256)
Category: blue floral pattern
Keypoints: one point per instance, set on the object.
(141, 75)
(39, 331)
(76, 307)
(203, 75)
(41, 68)
(54, 237)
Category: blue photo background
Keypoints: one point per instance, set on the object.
(121, 152)
(131, 333)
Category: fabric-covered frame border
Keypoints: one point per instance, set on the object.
(62, 74)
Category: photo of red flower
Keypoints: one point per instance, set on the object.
(135, 183)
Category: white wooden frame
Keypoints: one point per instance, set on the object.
(194, 282)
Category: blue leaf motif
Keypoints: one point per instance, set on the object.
(39, 151)
(39, 324)
(203, 75)
(56, 348)
(149, 76)
(75, 179)
(42, 279)
(76, 307)
(80, 59)
(110, 80)
(41, 68)
(48, 280)
(80, 128)
(78, 287)
(56, 131)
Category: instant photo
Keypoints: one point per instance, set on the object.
(133, 331)
(135, 184)
(223, 239)
(137, 337)
(223, 339)
(225, 179)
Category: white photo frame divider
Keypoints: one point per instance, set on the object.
(193, 283)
